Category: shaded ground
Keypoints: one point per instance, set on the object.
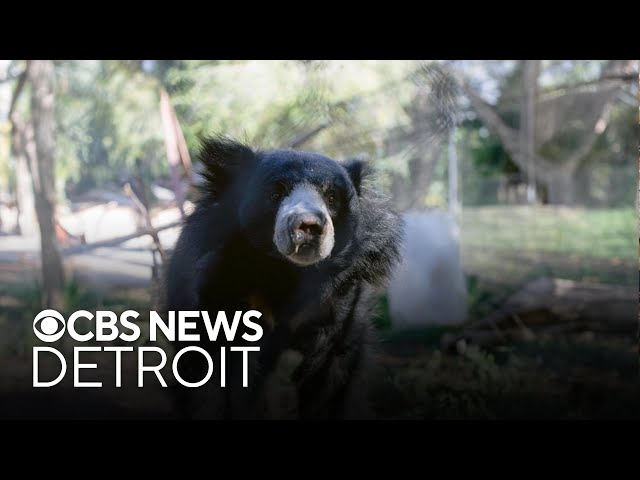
(581, 374)
(573, 376)
(577, 375)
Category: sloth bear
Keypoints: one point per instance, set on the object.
(306, 241)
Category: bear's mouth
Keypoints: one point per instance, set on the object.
(304, 254)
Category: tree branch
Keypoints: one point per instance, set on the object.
(10, 78)
(573, 160)
(22, 79)
(509, 136)
(622, 77)
(489, 116)
(305, 137)
(112, 242)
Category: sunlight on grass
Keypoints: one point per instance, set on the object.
(601, 233)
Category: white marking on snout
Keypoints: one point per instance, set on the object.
(303, 198)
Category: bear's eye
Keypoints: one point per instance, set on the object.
(278, 192)
(331, 197)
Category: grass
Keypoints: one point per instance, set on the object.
(598, 233)
(511, 245)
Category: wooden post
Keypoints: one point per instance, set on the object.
(173, 152)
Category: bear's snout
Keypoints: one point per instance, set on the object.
(303, 228)
(307, 228)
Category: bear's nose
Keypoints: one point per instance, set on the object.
(307, 227)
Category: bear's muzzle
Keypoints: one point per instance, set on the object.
(304, 230)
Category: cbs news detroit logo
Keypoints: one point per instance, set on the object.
(50, 326)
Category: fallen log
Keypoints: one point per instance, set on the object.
(551, 304)
(493, 338)
(547, 300)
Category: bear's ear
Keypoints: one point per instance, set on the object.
(223, 160)
(359, 170)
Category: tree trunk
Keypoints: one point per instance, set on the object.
(530, 71)
(41, 76)
(26, 222)
(561, 188)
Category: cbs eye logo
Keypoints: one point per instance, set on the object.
(51, 328)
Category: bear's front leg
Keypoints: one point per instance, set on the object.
(209, 400)
(332, 382)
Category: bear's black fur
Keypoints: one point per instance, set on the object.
(225, 259)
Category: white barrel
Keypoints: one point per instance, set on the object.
(428, 288)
